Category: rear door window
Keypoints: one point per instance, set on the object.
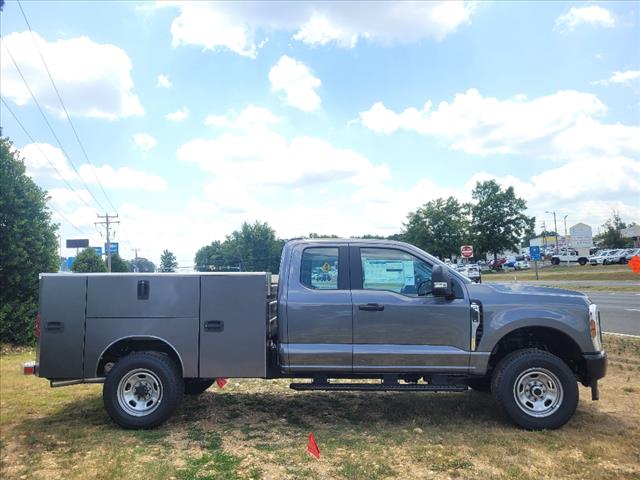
(319, 268)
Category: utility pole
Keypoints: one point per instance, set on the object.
(555, 226)
(565, 231)
(107, 222)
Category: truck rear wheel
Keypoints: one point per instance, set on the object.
(196, 386)
(582, 261)
(536, 389)
(142, 390)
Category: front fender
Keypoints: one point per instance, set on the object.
(570, 319)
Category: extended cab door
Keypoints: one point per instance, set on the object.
(319, 326)
(395, 329)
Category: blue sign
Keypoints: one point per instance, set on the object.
(98, 250)
(70, 262)
(534, 253)
(114, 247)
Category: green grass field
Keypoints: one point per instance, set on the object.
(563, 272)
(259, 429)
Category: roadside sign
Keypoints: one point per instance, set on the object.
(98, 250)
(70, 262)
(114, 247)
(466, 251)
(77, 242)
(534, 253)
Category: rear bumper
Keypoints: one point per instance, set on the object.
(596, 365)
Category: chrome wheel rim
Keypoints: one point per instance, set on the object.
(140, 392)
(538, 392)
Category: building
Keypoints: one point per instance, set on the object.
(581, 236)
(633, 233)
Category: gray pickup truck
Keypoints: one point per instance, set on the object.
(342, 309)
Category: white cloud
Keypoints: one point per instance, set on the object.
(249, 117)
(63, 198)
(233, 26)
(296, 81)
(144, 141)
(178, 115)
(591, 15)
(164, 82)
(624, 77)
(35, 159)
(563, 125)
(117, 178)
(123, 178)
(211, 28)
(258, 159)
(94, 79)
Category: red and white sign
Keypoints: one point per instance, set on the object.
(466, 251)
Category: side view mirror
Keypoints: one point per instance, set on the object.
(441, 281)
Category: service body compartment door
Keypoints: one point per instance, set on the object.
(157, 306)
(233, 325)
(62, 324)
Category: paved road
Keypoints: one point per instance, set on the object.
(619, 311)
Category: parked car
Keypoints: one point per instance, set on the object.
(630, 253)
(392, 313)
(569, 256)
(522, 265)
(615, 256)
(472, 272)
(598, 257)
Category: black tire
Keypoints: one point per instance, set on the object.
(196, 386)
(546, 376)
(555, 261)
(482, 384)
(137, 370)
(582, 261)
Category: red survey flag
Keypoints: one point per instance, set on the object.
(221, 382)
(312, 446)
(634, 263)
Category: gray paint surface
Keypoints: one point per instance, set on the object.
(62, 304)
(240, 348)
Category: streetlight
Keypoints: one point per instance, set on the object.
(555, 227)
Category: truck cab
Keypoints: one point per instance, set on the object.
(377, 310)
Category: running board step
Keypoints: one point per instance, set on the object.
(404, 387)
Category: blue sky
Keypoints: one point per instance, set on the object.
(326, 117)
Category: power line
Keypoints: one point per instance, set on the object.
(15, 64)
(43, 154)
(53, 83)
(67, 220)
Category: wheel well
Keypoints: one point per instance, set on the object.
(548, 339)
(125, 346)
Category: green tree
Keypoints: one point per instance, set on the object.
(439, 227)
(254, 247)
(168, 262)
(612, 237)
(117, 263)
(498, 221)
(88, 261)
(28, 246)
(141, 265)
(211, 257)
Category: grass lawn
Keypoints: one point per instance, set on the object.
(563, 272)
(259, 429)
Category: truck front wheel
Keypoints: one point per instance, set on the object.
(142, 390)
(536, 389)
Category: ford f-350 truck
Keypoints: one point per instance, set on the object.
(342, 309)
